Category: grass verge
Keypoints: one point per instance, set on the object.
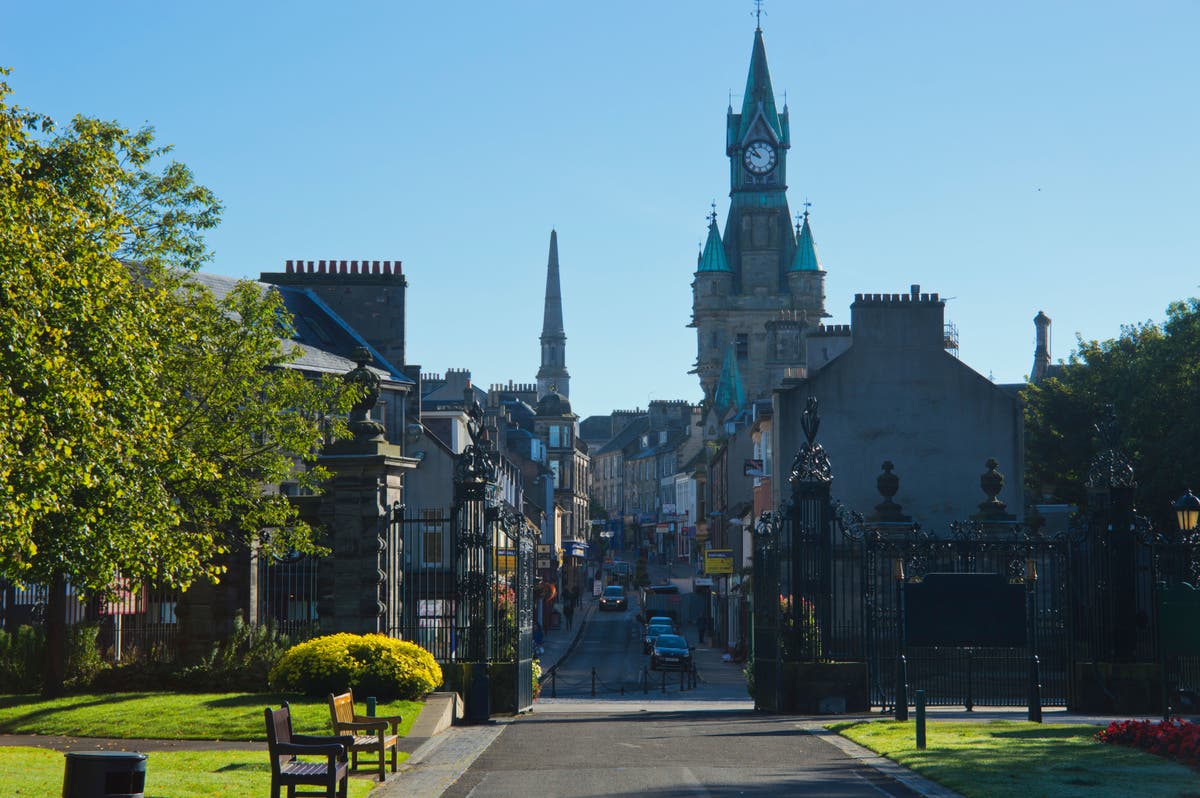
(38, 772)
(173, 716)
(1010, 759)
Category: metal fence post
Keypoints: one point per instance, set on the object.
(920, 697)
(901, 688)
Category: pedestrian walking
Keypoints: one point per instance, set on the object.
(569, 613)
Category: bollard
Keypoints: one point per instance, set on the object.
(554, 683)
(593, 682)
(645, 681)
(681, 678)
(920, 699)
(371, 703)
(664, 681)
(901, 688)
(1035, 690)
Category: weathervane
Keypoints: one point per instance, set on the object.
(758, 13)
(713, 216)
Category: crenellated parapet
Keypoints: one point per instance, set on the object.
(830, 331)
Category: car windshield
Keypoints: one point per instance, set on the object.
(614, 592)
(659, 629)
(671, 641)
(661, 621)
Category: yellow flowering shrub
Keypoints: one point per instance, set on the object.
(373, 664)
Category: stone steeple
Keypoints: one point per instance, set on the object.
(552, 377)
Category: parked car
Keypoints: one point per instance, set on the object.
(661, 619)
(652, 633)
(671, 652)
(613, 598)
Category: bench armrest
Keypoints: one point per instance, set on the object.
(341, 740)
(329, 750)
(395, 720)
(372, 724)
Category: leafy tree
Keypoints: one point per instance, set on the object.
(143, 415)
(1150, 374)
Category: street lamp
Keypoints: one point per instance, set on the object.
(1187, 512)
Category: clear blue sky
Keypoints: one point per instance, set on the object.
(1017, 156)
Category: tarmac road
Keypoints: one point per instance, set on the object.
(697, 754)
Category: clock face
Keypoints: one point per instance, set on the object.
(759, 157)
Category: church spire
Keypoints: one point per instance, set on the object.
(552, 377)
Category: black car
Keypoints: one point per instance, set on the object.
(613, 598)
(671, 652)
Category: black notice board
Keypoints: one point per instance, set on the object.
(964, 610)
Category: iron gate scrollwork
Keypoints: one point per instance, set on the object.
(468, 578)
(828, 588)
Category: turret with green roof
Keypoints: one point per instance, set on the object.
(713, 259)
(805, 259)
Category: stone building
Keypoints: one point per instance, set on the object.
(888, 390)
(759, 288)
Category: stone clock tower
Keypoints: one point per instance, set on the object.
(760, 287)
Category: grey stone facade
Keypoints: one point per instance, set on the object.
(891, 392)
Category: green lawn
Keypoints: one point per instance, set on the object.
(173, 716)
(38, 773)
(1010, 759)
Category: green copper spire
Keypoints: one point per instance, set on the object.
(806, 259)
(730, 393)
(759, 94)
(712, 259)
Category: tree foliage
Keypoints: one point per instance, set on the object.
(1150, 374)
(143, 414)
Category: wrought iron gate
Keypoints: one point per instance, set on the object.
(463, 585)
(828, 588)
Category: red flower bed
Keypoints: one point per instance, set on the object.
(1174, 739)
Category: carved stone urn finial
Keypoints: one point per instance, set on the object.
(888, 484)
(360, 422)
(992, 482)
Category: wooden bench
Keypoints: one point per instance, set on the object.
(370, 733)
(287, 770)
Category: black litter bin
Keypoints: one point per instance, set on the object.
(104, 774)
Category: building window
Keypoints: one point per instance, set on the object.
(432, 531)
(554, 470)
(555, 437)
(742, 344)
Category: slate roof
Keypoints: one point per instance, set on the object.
(325, 342)
(628, 434)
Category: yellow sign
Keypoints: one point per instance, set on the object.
(718, 561)
(506, 562)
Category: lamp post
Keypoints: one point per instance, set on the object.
(1187, 512)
